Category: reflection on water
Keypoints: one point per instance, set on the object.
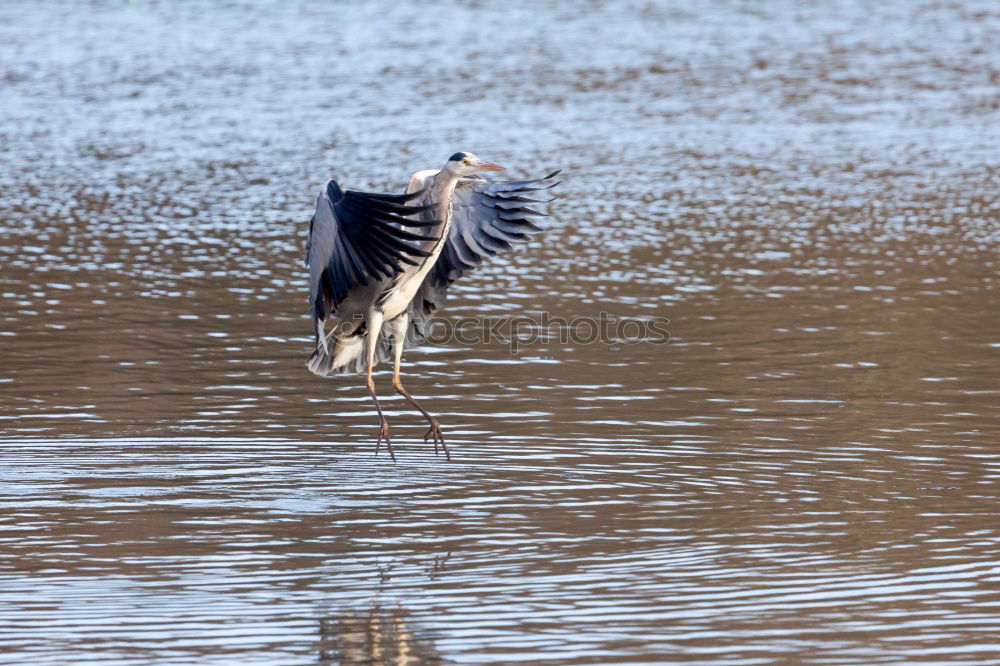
(806, 473)
(376, 637)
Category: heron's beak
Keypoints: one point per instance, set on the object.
(487, 166)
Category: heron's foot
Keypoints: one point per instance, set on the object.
(383, 433)
(435, 432)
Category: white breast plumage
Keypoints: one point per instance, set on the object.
(397, 298)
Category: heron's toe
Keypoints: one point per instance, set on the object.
(434, 431)
(383, 433)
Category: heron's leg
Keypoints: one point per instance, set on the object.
(399, 326)
(374, 322)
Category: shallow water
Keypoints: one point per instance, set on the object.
(806, 473)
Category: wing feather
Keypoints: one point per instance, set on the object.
(355, 237)
(487, 217)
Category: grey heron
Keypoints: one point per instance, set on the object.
(380, 264)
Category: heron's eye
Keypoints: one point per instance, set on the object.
(465, 161)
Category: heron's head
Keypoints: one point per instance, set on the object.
(466, 164)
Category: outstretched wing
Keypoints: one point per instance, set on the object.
(355, 237)
(486, 218)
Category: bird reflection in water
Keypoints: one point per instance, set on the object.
(376, 637)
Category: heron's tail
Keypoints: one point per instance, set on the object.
(320, 363)
(345, 355)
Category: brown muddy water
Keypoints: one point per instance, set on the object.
(807, 473)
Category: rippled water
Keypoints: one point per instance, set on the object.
(806, 473)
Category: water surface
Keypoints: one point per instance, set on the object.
(806, 473)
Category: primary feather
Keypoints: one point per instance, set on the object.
(355, 237)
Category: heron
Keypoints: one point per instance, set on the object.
(380, 265)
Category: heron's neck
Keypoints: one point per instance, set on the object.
(440, 194)
(444, 186)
